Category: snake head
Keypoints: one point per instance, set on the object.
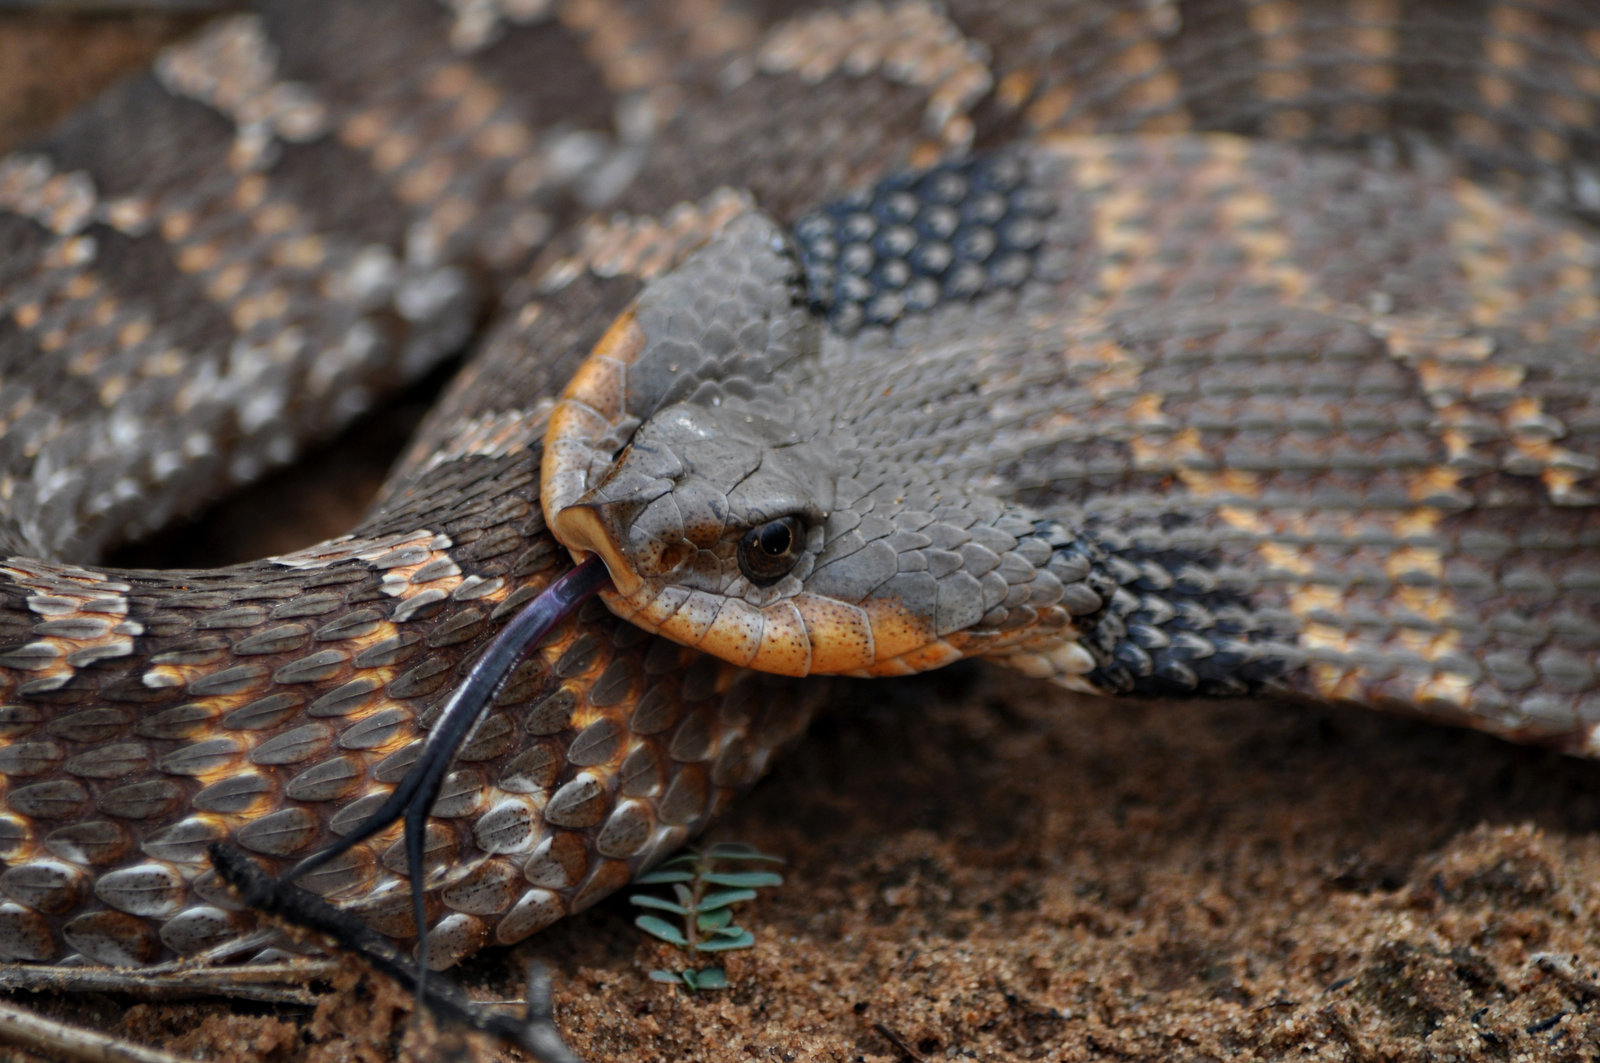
(707, 500)
(701, 453)
(667, 458)
(707, 520)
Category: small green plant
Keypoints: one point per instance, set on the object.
(703, 900)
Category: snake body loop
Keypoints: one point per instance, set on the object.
(888, 435)
(1208, 346)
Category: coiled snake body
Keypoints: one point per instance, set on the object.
(1126, 401)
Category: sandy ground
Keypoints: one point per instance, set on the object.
(981, 867)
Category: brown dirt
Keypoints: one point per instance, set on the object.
(984, 867)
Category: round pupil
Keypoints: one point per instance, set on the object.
(775, 539)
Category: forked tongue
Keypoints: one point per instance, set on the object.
(413, 798)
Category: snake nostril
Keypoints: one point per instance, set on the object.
(767, 552)
(674, 556)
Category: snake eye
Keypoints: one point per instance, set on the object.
(769, 551)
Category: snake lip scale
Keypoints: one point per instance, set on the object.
(1139, 347)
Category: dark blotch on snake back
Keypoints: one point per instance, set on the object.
(1175, 625)
(916, 240)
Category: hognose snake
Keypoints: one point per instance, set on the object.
(1402, 520)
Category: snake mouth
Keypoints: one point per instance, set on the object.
(591, 407)
(582, 531)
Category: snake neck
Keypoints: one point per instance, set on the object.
(1149, 618)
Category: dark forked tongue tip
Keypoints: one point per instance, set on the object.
(413, 797)
(468, 704)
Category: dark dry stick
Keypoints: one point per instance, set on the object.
(894, 1037)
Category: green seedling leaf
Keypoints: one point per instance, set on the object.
(662, 877)
(658, 927)
(645, 900)
(711, 978)
(689, 875)
(727, 940)
(722, 898)
(687, 858)
(740, 851)
(743, 879)
(714, 920)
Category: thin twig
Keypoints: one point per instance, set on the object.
(34, 1032)
(270, 983)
